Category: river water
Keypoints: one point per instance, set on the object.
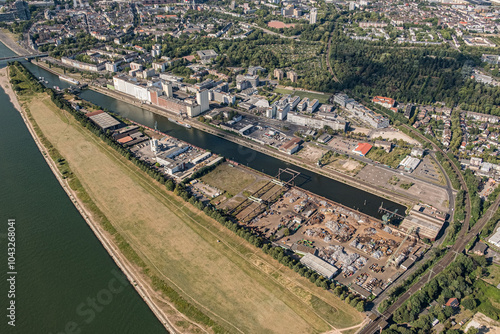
(324, 186)
(61, 266)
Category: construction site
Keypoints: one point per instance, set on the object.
(362, 252)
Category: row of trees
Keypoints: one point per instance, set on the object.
(180, 190)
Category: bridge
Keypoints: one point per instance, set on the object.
(13, 58)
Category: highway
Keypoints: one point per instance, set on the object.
(463, 238)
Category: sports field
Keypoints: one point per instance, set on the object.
(234, 283)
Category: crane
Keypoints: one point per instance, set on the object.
(393, 255)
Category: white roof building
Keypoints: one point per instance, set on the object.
(495, 239)
(410, 163)
(322, 267)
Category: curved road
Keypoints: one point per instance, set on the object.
(463, 238)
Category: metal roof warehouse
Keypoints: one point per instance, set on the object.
(103, 120)
(320, 266)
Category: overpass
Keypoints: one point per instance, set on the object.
(20, 57)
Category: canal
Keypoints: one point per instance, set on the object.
(337, 191)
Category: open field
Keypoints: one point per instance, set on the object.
(311, 153)
(484, 324)
(494, 274)
(392, 180)
(231, 179)
(179, 243)
(322, 98)
(390, 134)
(348, 166)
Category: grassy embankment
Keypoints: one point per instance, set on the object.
(228, 285)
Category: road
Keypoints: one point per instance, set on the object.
(462, 241)
(463, 238)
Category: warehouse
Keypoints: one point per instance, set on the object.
(425, 225)
(409, 163)
(321, 267)
(103, 120)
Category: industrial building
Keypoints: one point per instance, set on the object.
(425, 222)
(495, 239)
(319, 122)
(292, 146)
(409, 163)
(104, 120)
(386, 145)
(321, 267)
(160, 93)
(362, 149)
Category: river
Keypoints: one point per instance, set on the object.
(61, 266)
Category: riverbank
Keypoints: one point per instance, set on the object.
(180, 245)
(132, 274)
(9, 40)
(399, 198)
(337, 176)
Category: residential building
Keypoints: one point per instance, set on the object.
(313, 16)
(385, 102)
(292, 76)
(279, 74)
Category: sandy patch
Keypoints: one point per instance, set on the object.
(390, 134)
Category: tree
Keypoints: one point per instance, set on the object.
(473, 330)
(361, 306)
(469, 303)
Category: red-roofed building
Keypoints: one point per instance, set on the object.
(125, 140)
(189, 58)
(453, 302)
(386, 102)
(90, 114)
(362, 149)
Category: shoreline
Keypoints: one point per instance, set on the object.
(132, 274)
(337, 176)
(398, 198)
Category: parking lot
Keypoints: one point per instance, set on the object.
(428, 171)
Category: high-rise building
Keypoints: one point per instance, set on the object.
(202, 100)
(279, 74)
(292, 76)
(313, 16)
